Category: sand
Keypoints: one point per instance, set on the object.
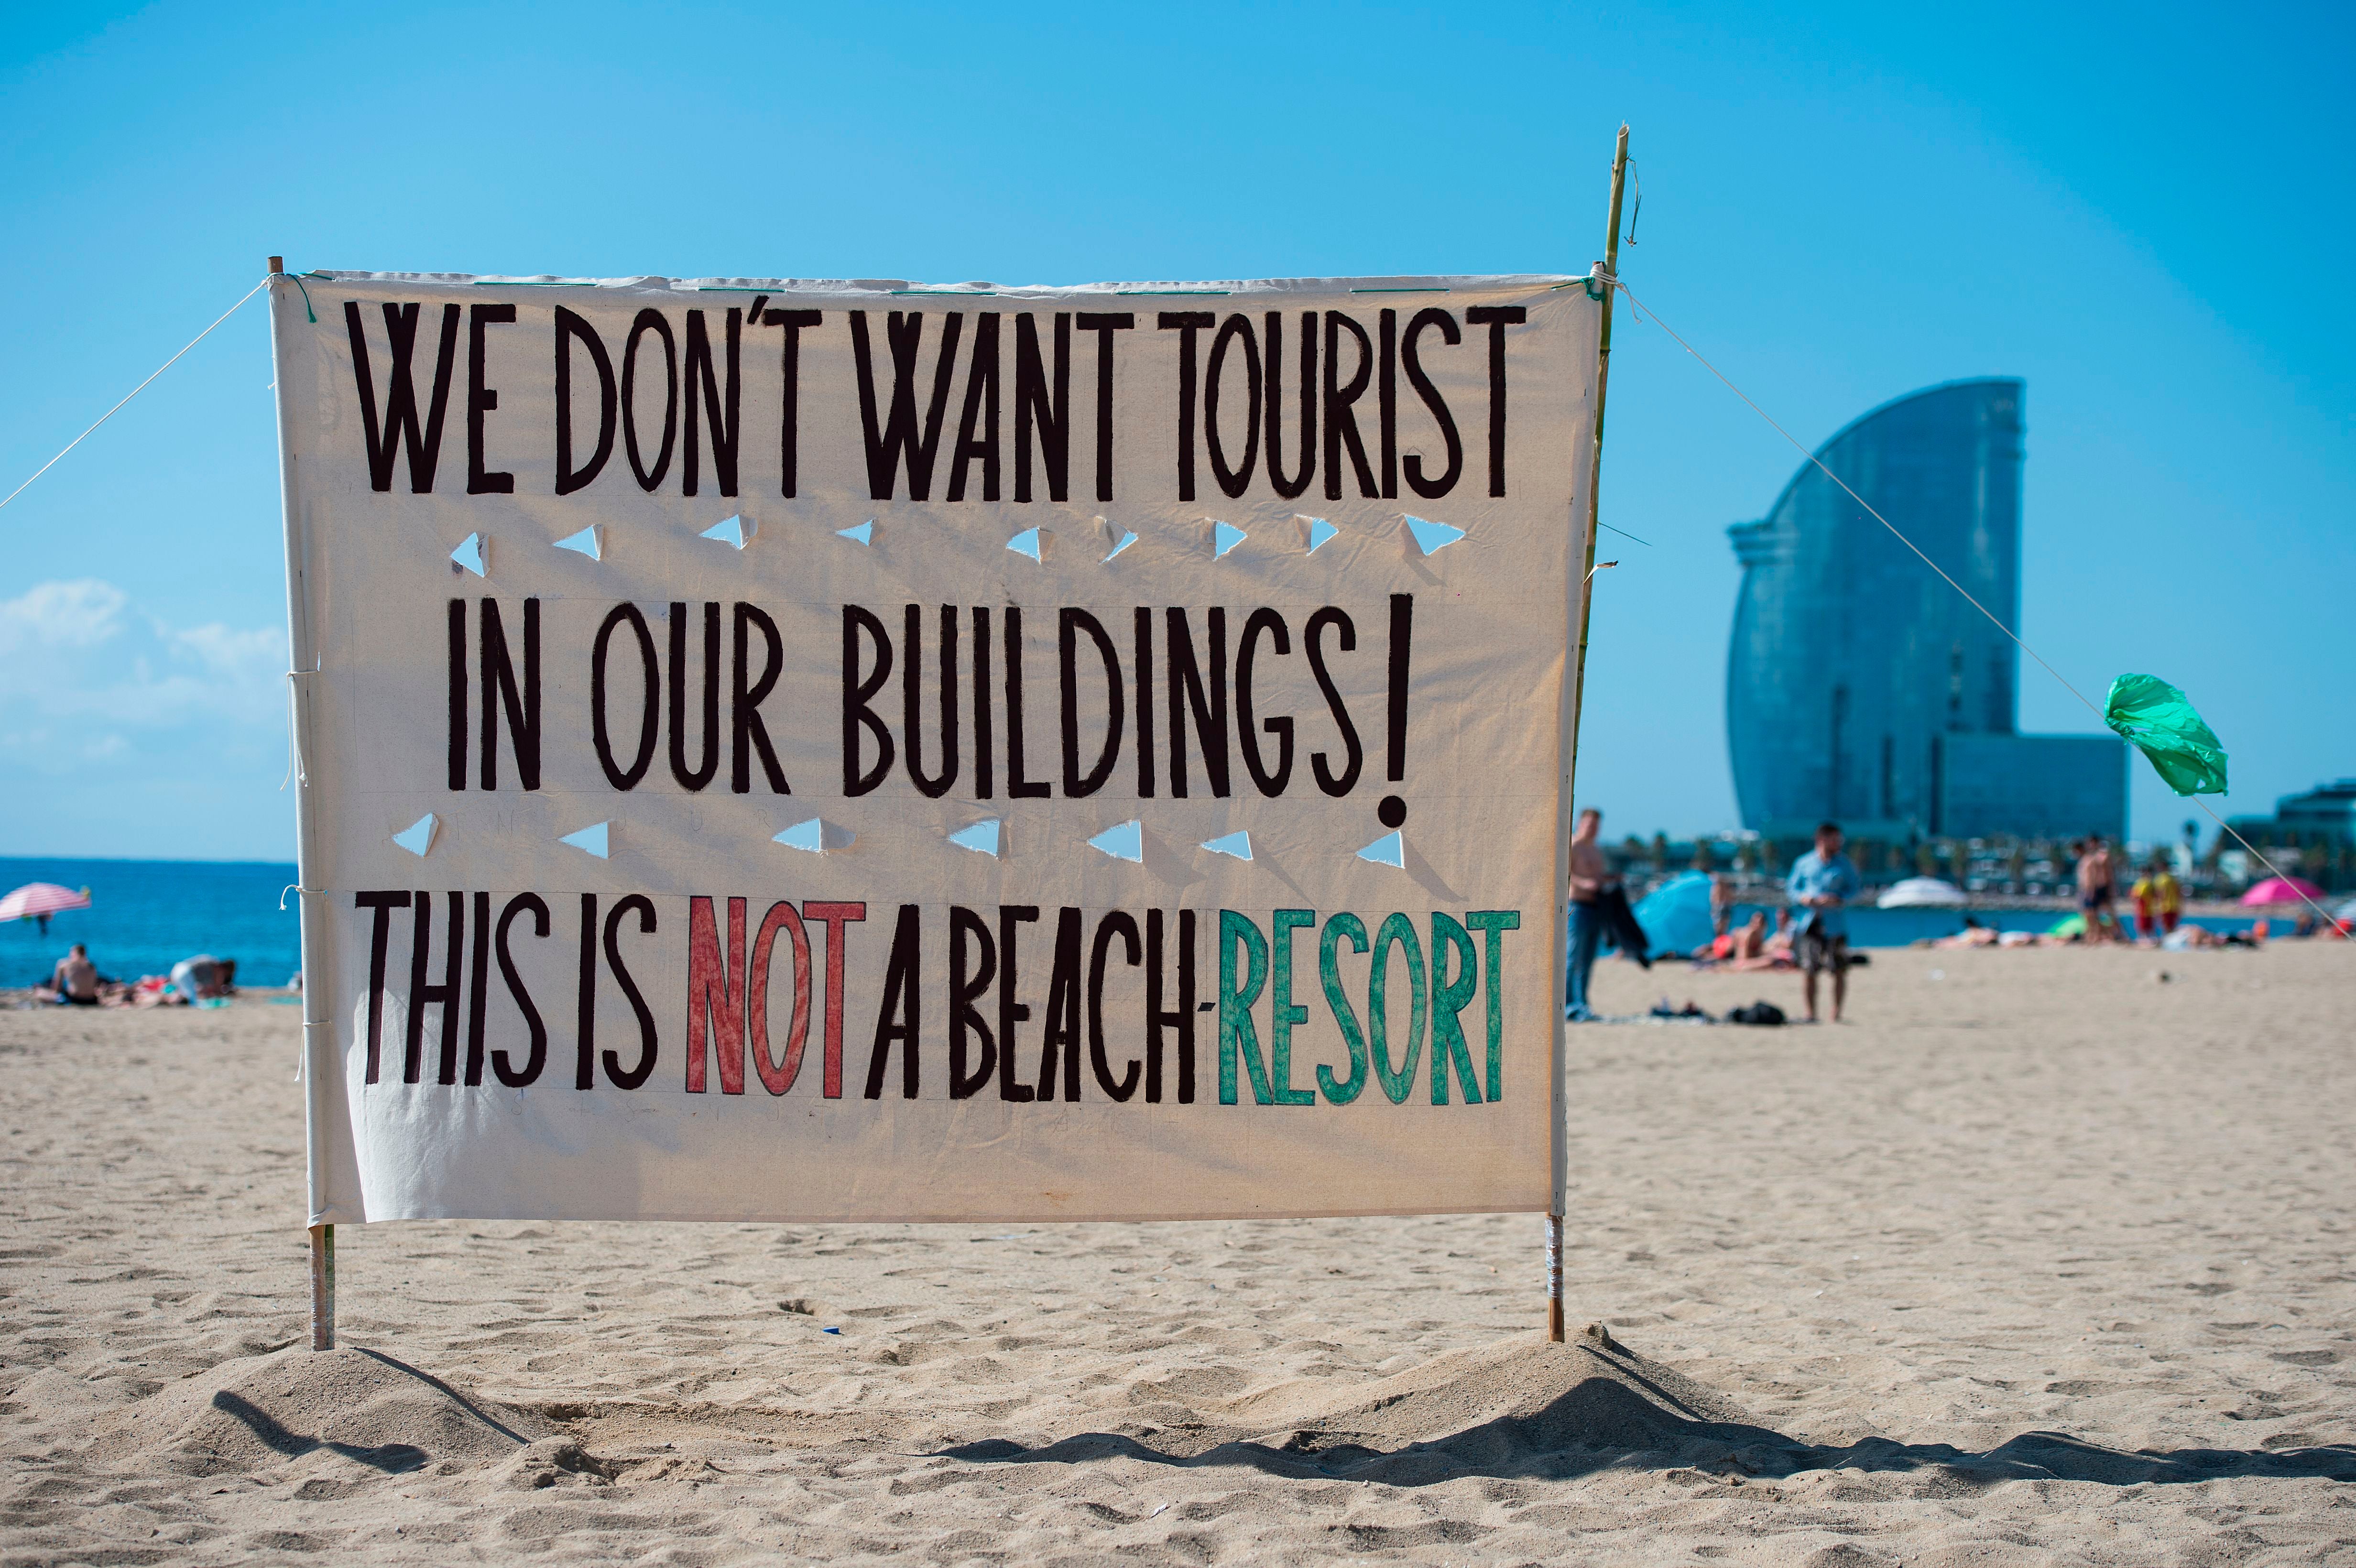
(2040, 1259)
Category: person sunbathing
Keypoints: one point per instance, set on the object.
(74, 982)
(1751, 948)
(1974, 934)
(1729, 945)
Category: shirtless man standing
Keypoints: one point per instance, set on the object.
(1589, 874)
(2098, 890)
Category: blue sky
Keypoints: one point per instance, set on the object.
(2144, 211)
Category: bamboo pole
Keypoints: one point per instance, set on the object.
(1610, 270)
(1602, 382)
(303, 650)
(322, 1287)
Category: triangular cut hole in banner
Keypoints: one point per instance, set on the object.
(1237, 844)
(1432, 538)
(981, 838)
(593, 840)
(1224, 536)
(1390, 849)
(810, 835)
(418, 837)
(736, 530)
(473, 554)
(590, 542)
(865, 533)
(1126, 539)
(1126, 842)
(1030, 542)
(1320, 530)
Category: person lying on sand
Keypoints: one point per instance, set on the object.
(1974, 934)
(2185, 936)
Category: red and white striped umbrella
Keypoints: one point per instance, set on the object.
(35, 899)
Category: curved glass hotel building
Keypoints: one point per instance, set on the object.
(1860, 688)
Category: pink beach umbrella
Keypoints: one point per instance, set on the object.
(38, 900)
(2273, 891)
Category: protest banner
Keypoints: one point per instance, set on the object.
(855, 750)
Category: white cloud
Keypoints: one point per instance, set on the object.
(121, 734)
(81, 614)
(236, 654)
(85, 677)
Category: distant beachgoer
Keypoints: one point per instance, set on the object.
(1589, 875)
(2158, 899)
(1733, 947)
(1822, 883)
(203, 977)
(74, 981)
(191, 977)
(1974, 934)
(1751, 940)
(1754, 949)
(2098, 890)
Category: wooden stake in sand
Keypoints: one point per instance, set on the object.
(1610, 273)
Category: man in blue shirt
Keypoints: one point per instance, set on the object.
(1822, 881)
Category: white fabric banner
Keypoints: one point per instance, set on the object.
(851, 750)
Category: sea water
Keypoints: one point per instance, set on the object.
(1870, 927)
(148, 915)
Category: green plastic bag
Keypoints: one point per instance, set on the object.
(2182, 748)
